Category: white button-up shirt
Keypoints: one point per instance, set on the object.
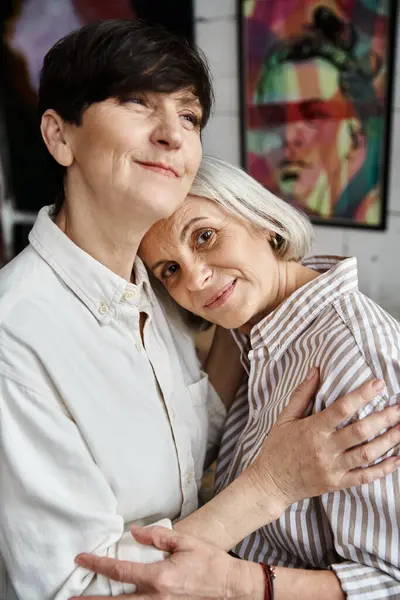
(96, 431)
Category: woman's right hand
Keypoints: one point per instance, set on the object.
(303, 457)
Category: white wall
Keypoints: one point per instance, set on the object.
(378, 253)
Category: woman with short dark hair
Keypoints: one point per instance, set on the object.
(105, 415)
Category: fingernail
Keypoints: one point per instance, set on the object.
(311, 373)
(378, 385)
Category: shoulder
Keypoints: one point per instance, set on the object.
(364, 344)
(376, 334)
(29, 294)
(21, 280)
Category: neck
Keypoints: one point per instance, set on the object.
(110, 238)
(291, 276)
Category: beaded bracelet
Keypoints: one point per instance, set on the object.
(269, 574)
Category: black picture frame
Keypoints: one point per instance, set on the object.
(349, 220)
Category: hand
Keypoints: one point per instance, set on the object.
(193, 570)
(306, 457)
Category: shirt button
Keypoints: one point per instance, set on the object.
(138, 346)
(103, 309)
(189, 477)
(128, 296)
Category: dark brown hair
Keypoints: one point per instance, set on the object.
(113, 59)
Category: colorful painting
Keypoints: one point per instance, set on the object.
(317, 103)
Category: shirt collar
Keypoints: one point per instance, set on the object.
(276, 331)
(94, 284)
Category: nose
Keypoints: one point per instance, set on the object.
(167, 130)
(293, 136)
(197, 277)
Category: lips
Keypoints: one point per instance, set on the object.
(159, 167)
(219, 298)
(290, 175)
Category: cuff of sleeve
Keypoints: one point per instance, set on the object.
(129, 549)
(360, 582)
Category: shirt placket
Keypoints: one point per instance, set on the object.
(171, 385)
(129, 311)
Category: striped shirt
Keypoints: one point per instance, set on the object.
(327, 323)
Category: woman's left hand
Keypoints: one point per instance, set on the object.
(303, 457)
(194, 570)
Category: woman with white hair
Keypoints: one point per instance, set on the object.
(234, 254)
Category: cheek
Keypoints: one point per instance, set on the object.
(193, 154)
(178, 292)
(103, 151)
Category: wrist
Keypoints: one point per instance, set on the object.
(246, 582)
(267, 494)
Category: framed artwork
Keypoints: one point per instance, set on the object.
(316, 87)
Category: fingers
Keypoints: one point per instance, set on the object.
(368, 453)
(346, 406)
(368, 475)
(117, 570)
(366, 429)
(160, 537)
(301, 398)
(124, 596)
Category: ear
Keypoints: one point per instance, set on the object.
(354, 139)
(53, 129)
(356, 133)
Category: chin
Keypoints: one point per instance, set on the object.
(163, 204)
(230, 321)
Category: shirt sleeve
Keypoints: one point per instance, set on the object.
(365, 523)
(55, 502)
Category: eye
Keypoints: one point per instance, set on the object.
(169, 270)
(192, 119)
(136, 100)
(204, 237)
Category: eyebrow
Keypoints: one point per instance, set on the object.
(189, 100)
(187, 227)
(182, 239)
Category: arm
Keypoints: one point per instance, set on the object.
(316, 458)
(309, 585)
(225, 374)
(223, 366)
(194, 562)
(370, 547)
(55, 501)
(366, 527)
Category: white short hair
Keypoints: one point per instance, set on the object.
(244, 197)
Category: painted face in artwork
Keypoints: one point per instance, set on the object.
(304, 149)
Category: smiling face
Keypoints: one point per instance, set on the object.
(213, 264)
(136, 158)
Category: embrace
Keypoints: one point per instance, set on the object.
(107, 419)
